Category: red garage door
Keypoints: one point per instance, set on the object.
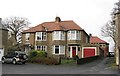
(89, 52)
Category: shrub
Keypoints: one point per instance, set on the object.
(35, 53)
(75, 57)
(41, 54)
(41, 57)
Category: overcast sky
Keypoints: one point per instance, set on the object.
(90, 15)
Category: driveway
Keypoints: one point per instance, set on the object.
(96, 67)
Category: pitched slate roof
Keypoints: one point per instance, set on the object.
(52, 26)
(95, 39)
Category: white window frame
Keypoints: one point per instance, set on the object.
(27, 36)
(41, 35)
(58, 35)
(61, 50)
(42, 47)
(74, 36)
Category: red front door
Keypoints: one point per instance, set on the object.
(73, 51)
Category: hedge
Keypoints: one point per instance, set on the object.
(86, 60)
(44, 60)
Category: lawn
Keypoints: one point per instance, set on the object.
(68, 61)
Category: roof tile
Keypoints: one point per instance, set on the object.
(95, 39)
(51, 26)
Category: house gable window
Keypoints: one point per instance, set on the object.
(73, 35)
(58, 50)
(58, 35)
(41, 47)
(42, 36)
(27, 36)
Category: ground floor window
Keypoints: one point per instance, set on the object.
(58, 49)
(41, 47)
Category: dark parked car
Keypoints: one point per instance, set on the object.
(15, 57)
(111, 54)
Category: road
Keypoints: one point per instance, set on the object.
(96, 67)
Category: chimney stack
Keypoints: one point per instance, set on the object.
(90, 34)
(57, 19)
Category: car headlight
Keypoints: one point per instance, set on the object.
(17, 59)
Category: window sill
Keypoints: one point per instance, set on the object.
(27, 40)
(41, 40)
(74, 39)
(61, 40)
(58, 54)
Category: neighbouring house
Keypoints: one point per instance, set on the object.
(3, 39)
(63, 38)
(103, 45)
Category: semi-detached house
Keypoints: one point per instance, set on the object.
(63, 38)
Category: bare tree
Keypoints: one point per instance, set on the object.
(109, 30)
(116, 9)
(16, 25)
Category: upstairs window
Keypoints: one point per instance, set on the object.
(27, 36)
(78, 35)
(58, 35)
(41, 36)
(73, 35)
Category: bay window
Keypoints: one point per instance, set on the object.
(58, 49)
(41, 36)
(58, 35)
(73, 35)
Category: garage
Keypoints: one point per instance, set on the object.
(88, 52)
(1, 53)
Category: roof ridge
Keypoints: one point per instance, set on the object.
(60, 21)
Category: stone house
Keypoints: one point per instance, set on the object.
(63, 38)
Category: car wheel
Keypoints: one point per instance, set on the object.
(3, 61)
(23, 62)
(14, 62)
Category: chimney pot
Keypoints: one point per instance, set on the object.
(90, 34)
